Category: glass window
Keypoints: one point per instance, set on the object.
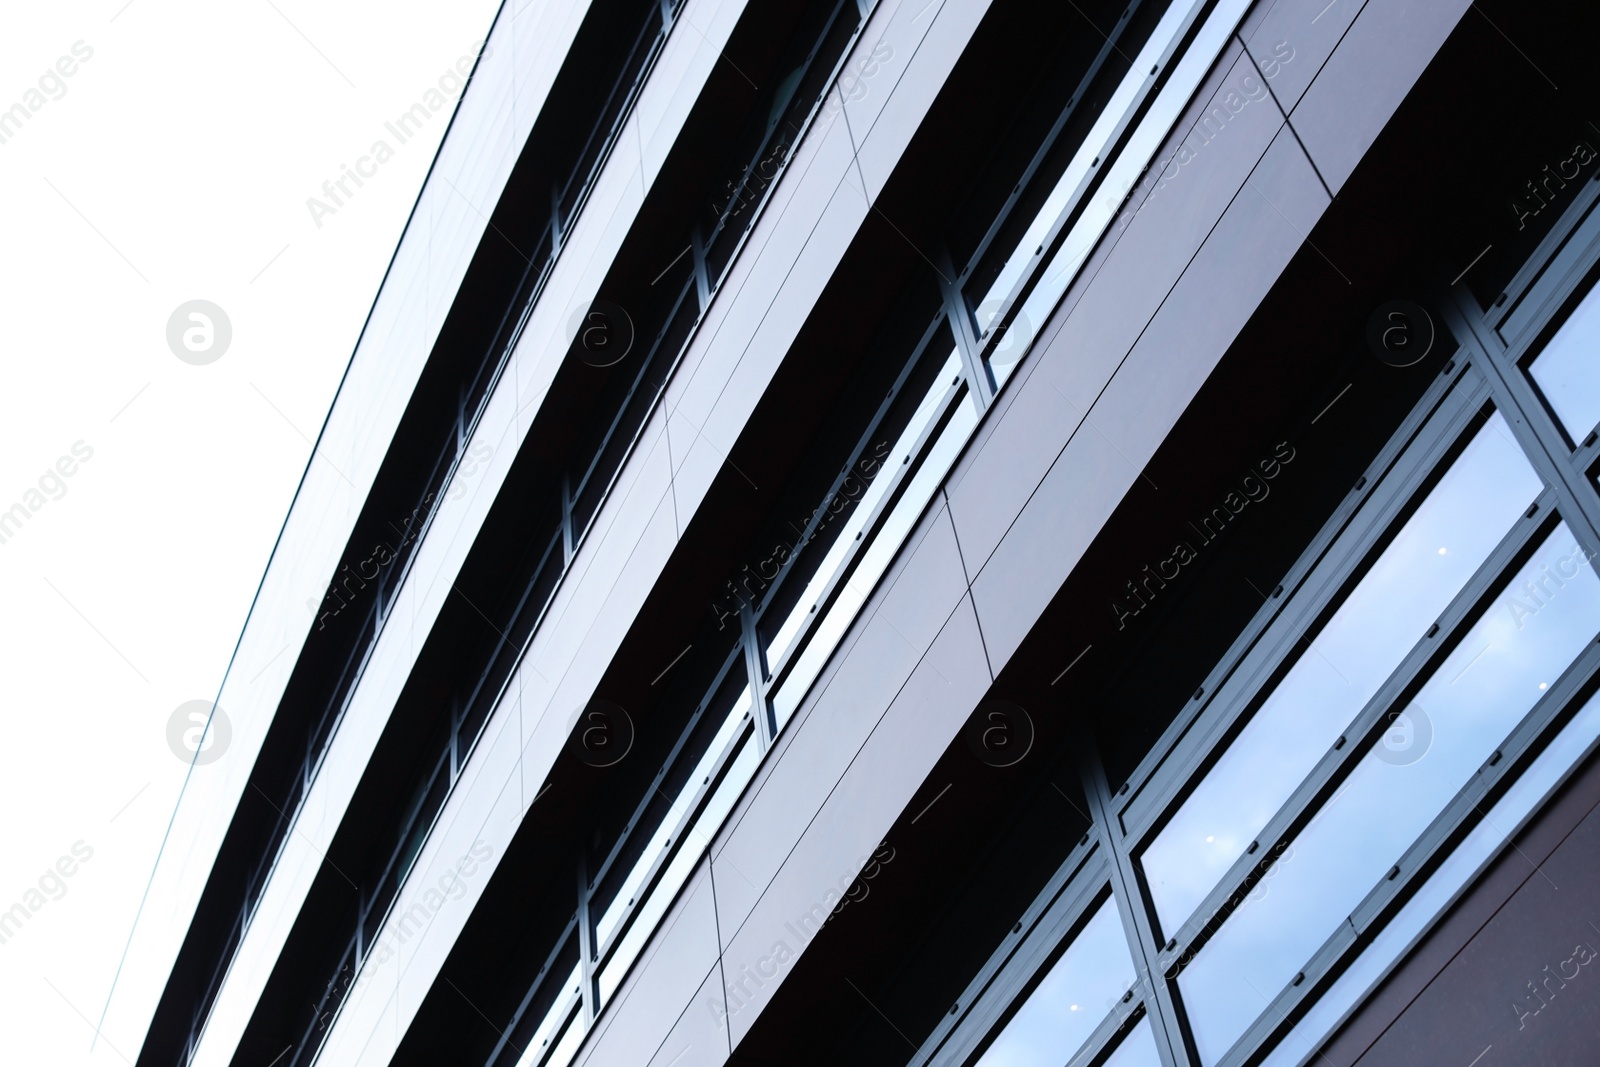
(561, 1012)
(1448, 537)
(1568, 370)
(840, 553)
(1063, 1010)
(1537, 624)
(875, 559)
(667, 832)
(1524, 797)
(1138, 1049)
(690, 850)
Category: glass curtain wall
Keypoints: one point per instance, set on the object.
(1435, 661)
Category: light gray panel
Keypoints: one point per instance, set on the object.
(1176, 210)
(881, 781)
(1350, 102)
(827, 736)
(700, 1039)
(926, 591)
(663, 982)
(1290, 41)
(949, 28)
(1253, 242)
(802, 285)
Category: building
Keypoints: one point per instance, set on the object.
(944, 532)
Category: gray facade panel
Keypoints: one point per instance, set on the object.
(881, 780)
(700, 1039)
(648, 1006)
(1166, 222)
(829, 735)
(1291, 40)
(1368, 75)
(1255, 239)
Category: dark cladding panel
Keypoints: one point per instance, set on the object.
(1526, 988)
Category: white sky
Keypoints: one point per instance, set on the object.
(174, 164)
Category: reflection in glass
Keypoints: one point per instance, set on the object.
(1448, 537)
(1568, 370)
(1466, 859)
(1138, 1049)
(1064, 1009)
(1538, 622)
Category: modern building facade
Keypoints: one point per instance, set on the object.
(939, 532)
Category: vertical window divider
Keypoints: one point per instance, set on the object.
(980, 383)
(586, 962)
(702, 280)
(1525, 413)
(755, 669)
(1134, 909)
(568, 542)
(556, 234)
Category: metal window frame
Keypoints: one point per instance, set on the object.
(1488, 372)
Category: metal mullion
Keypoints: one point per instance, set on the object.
(1534, 427)
(1418, 862)
(667, 854)
(974, 368)
(1322, 574)
(1135, 909)
(545, 974)
(588, 958)
(604, 870)
(1080, 95)
(1543, 271)
(884, 407)
(756, 677)
(1065, 900)
(1419, 664)
(903, 475)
